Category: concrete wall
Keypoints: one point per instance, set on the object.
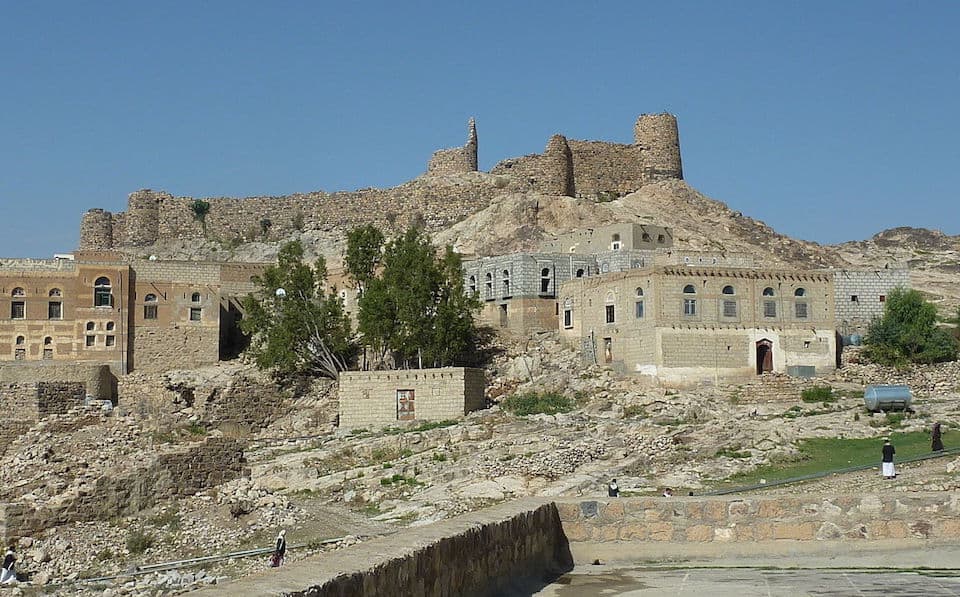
(630, 529)
(507, 549)
(596, 240)
(179, 472)
(369, 398)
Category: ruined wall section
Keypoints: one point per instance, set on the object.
(603, 170)
(96, 230)
(457, 160)
(550, 173)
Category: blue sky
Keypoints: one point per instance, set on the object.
(830, 121)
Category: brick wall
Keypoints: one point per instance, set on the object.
(369, 398)
(855, 316)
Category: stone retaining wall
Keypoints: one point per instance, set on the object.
(641, 527)
(509, 547)
(177, 473)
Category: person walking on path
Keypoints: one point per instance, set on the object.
(7, 575)
(886, 463)
(936, 438)
(279, 550)
(613, 490)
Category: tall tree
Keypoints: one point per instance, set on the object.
(908, 332)
(297, 327)
(416, 308)
(364, 251)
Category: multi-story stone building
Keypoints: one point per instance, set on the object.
(688, 324)
(98, 307)
(860, 296)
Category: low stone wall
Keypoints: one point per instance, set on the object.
(632, 528)
(509, 547)
(180, 472)
(98, 381)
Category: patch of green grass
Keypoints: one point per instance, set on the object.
(439, 457)
(406, 453)
(818, 394)
(400, 480)
(139, 541)
(824, 454)
(635, 410)
(424, 426)
(891, 420)
(532, 403)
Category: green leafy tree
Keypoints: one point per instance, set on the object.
(415, 308)
(297, 328)
(200, 209)
(908, 332)
(364, 249)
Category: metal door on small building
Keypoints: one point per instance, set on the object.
(406, 410)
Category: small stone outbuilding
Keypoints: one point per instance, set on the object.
(383, 398)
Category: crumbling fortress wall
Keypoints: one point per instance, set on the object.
(176, 473)
(451, 189)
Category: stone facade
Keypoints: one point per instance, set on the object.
(693, 324)
(103, 309)
(861, 294)
(628, 528)
(382, 398)
(451, 190)
(176, 473)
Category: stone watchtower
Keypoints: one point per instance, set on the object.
(143, 217)
(557, 176)
(456, 160)
(658, 137)
(96, 230)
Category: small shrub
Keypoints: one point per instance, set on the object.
(734, 452)
(139, 541)
(533, 403)
(298, 221)
(196, 429)
(818, 394)
(169, 518)
(439, 457)
(635, 410)
(104, 554)
(856, 416)
(406, 453)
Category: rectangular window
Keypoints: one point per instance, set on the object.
(20, 354)
(111, 340)
(853, 298)
(91, 340)
(638, 309)
(18, 310)
(47, 354)
(689, 307)
(729, 308)
(568, 318)
(883, 298)
(801, 310)
(54, 310)
(769, 308)
(406, 405)
(149, 311)
(611, 314)
(194, 313)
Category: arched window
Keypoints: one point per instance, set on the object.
(21, 340)
(47, 341)
(195, 297)
(568, 314)
(689, 303)
(109, 326)
(728, 290)
(90, 326)
(615, 242)
(639, 291)
(768, 291)
(799, 292)
(638, 304)
(610, 309)
(769, 306)
(545, 280)
(580, 273)
(150, 306)
(17, 291)
(728, 305)
(102, 293)
(800, 305)
(489, 284)
(645, 237)
(54, 292)
(473, 285)
(506, 283)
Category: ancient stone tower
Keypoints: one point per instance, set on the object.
(143, 218)
(96, 230)
(659, 139)
(457, 160)
(557, 177)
